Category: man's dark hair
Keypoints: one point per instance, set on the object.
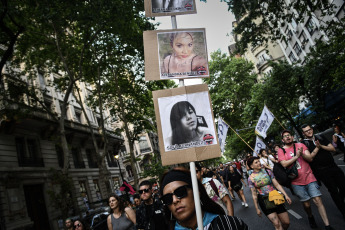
(304, 125)
(146, 182)
(286, 131)
(251, 160)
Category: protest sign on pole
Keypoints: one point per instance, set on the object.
(185, 122)
(222, 131)
(156, 8)
(264, 122)
(258, 145)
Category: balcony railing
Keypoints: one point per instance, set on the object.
(145, 150)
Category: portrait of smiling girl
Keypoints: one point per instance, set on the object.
(184, 56)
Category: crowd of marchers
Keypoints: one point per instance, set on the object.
(299, 166)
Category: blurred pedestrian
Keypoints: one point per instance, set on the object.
(121, 216)
(339, 140)
(177, 195)
(79, 224)
(215, 190)
(236, 183)
(69, 224)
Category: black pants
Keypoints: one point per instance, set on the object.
(334, 180)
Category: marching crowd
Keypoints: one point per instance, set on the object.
(300, 167)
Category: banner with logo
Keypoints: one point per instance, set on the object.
(264, 122)
(222, 131)
(258, 145)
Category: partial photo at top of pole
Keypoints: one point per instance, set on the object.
(156, 8)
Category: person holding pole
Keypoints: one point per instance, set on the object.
(178, 198)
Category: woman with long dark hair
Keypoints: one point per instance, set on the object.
(121, 216)
(261, 183)
(178, 198)
(185, 125)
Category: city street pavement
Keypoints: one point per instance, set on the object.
(298, 218)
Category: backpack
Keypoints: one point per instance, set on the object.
(281, 174)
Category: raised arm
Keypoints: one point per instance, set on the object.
(286, 163)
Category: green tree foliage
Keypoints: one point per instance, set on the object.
(230, 83)
(60, 193)
(281, 93)
(155, 170)
(261, 21)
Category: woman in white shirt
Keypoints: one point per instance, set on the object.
(265, 160)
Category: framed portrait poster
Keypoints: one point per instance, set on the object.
(175, 54)
(185, 124)
(156, 8)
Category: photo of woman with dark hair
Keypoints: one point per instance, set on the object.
(182, 54)
(188, 121)
(185, 125)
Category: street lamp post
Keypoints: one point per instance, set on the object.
(118, 163)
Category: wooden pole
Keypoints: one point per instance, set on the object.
(242, 139)
(192, 164)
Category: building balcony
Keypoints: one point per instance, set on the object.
(261, 64)
(145, 150)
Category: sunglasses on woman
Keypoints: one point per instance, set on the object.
(180, 192)
(77, 225)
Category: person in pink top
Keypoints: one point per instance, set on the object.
(304, 185)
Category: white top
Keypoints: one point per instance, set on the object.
(266, 161)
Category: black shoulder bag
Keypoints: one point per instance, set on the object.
(292, 172)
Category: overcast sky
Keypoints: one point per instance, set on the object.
(212, 15)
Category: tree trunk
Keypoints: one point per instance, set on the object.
(130, 137)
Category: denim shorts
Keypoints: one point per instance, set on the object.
(306, 192)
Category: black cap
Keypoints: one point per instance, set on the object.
(286, 131)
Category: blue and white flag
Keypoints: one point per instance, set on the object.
(264, 122)
(222, 131)
(258, 145)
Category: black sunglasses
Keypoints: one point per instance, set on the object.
(144, 190)
(77, 225)
(180, 192)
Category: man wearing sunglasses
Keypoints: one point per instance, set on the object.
(149, 214)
